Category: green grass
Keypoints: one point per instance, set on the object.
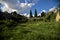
(33, 31)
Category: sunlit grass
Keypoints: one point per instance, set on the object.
(32, 31)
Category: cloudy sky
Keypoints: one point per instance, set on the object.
(23, 6)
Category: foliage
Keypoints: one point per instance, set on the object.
(0, 10)
(31, 13)
(35, 15)
(50, 16)
(19, 27)
(30, 31)
(43, 14)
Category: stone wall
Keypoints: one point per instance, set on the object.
(58, 17)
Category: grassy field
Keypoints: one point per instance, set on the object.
(32, 31)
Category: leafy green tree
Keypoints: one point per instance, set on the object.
(35, 13)
(0, 10)
(43, 14)
(14, 13)
(31, 13)
(58, 8)
(50, 16)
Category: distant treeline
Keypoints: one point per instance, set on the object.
(44, 16)
(12, 16)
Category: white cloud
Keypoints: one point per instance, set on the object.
(39, 14)
(28, 15)
(6, 8)
(52, 9)
(43, 11)
(31, 4)
(16, 5)
(25, 14)
(25, 5)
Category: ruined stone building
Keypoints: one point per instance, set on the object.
(58, 15)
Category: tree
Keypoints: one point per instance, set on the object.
(50, 16)
(58, 8)
(31, 13)
(43, 14)
(0, 10)
(6, 12)
(35, 13)
(14, 13)
(1, 15)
